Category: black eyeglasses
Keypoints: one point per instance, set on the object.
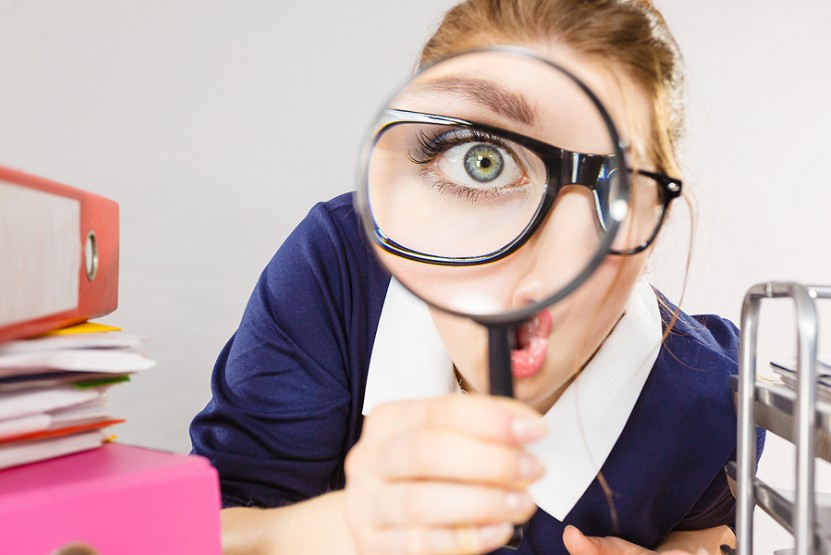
(656, 191)
(491, 188)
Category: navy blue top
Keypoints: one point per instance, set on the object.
(288, 390)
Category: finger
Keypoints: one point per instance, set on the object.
(499, 419)
(446, 504)
(451, 456)
(578, 543)
(441, 541)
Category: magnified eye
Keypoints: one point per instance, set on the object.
(468, 162)
(482, 162)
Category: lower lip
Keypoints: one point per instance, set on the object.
(528, 361)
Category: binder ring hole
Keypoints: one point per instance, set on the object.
(91, 256)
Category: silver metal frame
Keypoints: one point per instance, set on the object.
(751, 490)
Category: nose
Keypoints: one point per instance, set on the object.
(561, 249)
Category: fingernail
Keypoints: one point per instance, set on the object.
(530, 468)
(572, 527)
(519, 502)
(495, 534)
(526, 429)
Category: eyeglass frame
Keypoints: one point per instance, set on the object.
(580, 165)
(669, 189)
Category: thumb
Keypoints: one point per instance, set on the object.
(578, 543)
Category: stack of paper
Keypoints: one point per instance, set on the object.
(787, 370)
(53, 390)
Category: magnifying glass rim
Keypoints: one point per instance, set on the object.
(522, 313)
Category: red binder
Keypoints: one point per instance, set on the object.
(58, 255)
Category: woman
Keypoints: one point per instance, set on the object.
(623, 420)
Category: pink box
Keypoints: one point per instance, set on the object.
(118, 499)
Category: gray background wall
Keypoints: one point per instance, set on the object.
(217, 124)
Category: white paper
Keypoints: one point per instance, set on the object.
(80, 360)
(15, 405)
(31, 451)
(105, 340)
(24, 425)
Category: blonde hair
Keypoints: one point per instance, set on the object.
(630, 35)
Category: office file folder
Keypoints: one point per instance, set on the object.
(58, 255)
(117, 499)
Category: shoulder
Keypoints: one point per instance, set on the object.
(335, 220)
(689, 385)
(705, 342)
(686, 401)
(328, 251)
(339, 211)
(322, 291)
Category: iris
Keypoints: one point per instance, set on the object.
(483, 163)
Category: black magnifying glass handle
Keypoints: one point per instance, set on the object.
(516, 538)
(500, 343)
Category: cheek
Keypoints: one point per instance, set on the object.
(600, 301)
(466, 343)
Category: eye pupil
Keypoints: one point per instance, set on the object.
(483, 163)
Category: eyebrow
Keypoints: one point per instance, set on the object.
(488, 93)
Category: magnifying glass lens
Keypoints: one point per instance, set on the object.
(490, 168)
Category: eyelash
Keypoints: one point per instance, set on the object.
(431, 147)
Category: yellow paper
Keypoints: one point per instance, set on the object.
(84, 327)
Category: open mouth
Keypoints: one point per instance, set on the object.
(531, 344)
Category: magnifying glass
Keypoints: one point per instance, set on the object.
(479, 167)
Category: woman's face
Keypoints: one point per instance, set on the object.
(554, 346)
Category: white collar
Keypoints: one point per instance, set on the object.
(409, 361)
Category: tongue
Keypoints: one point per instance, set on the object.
(526, 332)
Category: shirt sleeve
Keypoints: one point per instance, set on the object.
(282, 416)
(717, 505)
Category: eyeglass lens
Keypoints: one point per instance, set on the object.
(646, 209)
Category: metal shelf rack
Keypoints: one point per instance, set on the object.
(795, 415)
